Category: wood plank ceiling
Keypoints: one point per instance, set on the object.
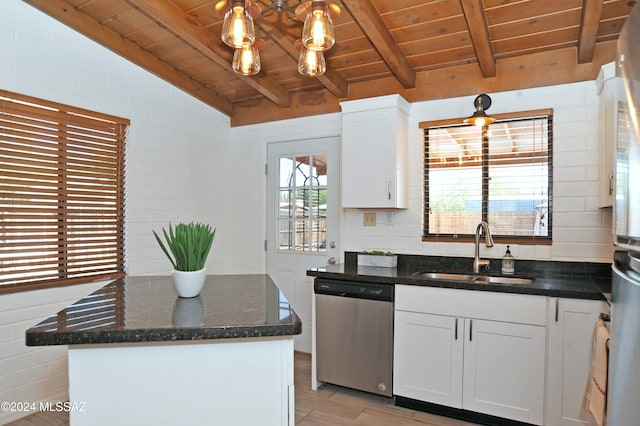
(421, 49)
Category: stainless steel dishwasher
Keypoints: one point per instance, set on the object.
(354, 334)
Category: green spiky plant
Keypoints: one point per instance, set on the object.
(189, 243)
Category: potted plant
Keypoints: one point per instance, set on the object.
(187, 248)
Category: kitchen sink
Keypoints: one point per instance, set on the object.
(476, 279)
(444, 276)
(501, 280)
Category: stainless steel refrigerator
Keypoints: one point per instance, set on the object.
(623, 401)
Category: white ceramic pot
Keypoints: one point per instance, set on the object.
(189, 283)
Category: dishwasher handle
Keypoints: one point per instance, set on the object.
(354, 289)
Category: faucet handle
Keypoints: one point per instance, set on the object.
(480, 263)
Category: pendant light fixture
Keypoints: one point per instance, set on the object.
(246, 60)
(317, 33)
(279, 6)
(237, 27)
(318, 16)
(480, 118)
(311, 63)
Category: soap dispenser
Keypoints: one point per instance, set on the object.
(508, 263)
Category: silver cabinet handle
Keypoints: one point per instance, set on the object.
(455, 333)
(331, 260)
(610, 183)
(389, 189)
(471, 330)
(557, 308)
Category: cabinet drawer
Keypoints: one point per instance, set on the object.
(508, 307)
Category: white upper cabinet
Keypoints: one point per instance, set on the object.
(374, 153)
(608, 86)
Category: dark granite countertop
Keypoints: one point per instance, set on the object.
(577, 280)
(148, 309)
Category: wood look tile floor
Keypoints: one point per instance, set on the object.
(328, 406)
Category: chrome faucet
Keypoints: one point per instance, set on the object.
(488, 240)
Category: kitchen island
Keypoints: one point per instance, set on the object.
(139, 354)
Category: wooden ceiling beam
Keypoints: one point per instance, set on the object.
(178, 22)
(589, 22)
(374, 28)
(477, 23)
(71, 17)
(303, 104)
(528, 71)
(330, 79)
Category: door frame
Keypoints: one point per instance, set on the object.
(336, 226)
(315, 127)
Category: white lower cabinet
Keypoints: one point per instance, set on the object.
(570, 331)
(428, 358)
(478, 351)
(504, 366)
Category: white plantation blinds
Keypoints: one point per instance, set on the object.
(61, 193)
(500, 173)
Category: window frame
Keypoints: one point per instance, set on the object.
(526, 240)
(44, 143)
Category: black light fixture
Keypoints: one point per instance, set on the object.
(480, 118)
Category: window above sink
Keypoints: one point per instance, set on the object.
(500, 173)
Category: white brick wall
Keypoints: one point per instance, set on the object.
(33, 374)
(178, 169)
(582, 232)
(249, 183)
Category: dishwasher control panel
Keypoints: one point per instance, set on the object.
(359, 290)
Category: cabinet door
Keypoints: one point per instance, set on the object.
(608, 91)
(367, 147)
(428, 358)
(504, 369)
(374, 153)
(571, 325)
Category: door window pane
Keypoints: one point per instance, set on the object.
(302, 203)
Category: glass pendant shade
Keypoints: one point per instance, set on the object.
(317, 33)
(237, 28)
(311, 62)
(246, 60)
